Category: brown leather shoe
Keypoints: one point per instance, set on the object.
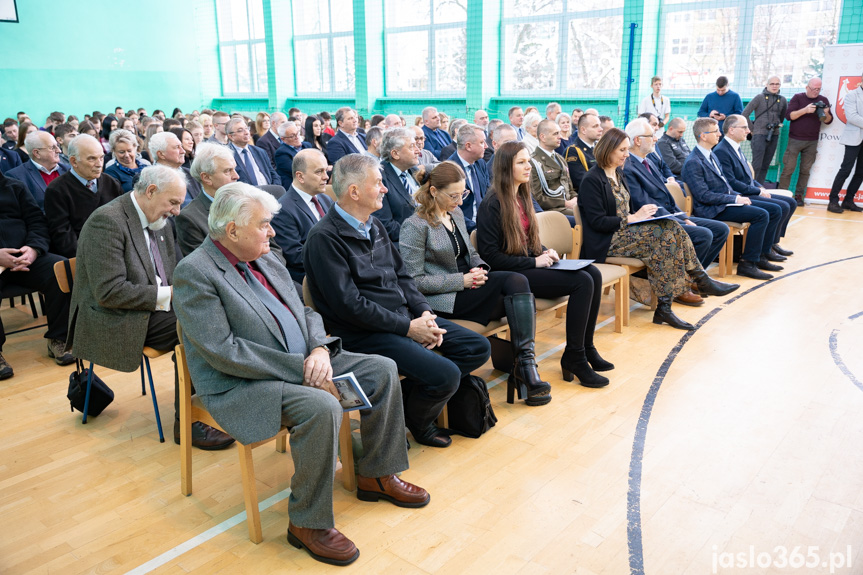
(693, 287)
(324, 545)
(689, 298)
(204, 437)
(393, 489)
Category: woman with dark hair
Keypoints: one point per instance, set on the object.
(153, 128)
(315, 134)
(109, 124)
(613, 228)
(24, 129)
(376, 119)
(507, 237)
(177, 114)
(437, 252)
(187, 139)
(73, 120)
(326, 122)
(262, 126)
(86, 127)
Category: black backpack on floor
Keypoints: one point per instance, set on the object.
(469, 409)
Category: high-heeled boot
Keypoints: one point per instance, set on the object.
(573, 363)
(709, 286)
(596, 361)
(524, 377)
(663, 313)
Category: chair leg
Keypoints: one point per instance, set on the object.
(155, 403)
(186, 445)
(729, 254)
(619, 304)
(250, 493)
(282, 442)
(443, 419)
(346, 446)
(624, 289)
(32, 305)
(722, 265)
(143, 387)
(87, 395)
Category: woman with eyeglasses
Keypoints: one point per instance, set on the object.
(458, 284)
(126, 164)
(507, 237)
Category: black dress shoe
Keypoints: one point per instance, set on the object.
(852, 207)
(204, 437)
(765, 265)
(750, 270)
(835, 208)
(774, 256)
(433, 437)
(782, 251)
(799, 201)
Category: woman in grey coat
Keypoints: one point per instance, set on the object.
(437, 252)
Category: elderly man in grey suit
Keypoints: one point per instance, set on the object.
(260, 360)
(121, 300)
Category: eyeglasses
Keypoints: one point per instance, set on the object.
(53, 148)
(711, 132)
(239, 131)
(462, 196)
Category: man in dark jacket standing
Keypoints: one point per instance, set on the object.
(769, 108)
(25, 261)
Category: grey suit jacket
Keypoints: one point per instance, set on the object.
(852, 135)
(115, 286)
(233, 344)
(429, 258)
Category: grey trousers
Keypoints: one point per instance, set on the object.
(796, 148)
(315, 417)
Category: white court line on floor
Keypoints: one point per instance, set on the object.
(839, 220)
(197, 540)
(800, 219)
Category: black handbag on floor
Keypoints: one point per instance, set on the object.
(101, 395)
(469, 409)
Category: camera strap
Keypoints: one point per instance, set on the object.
(768, 107)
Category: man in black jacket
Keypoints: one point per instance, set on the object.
(360, 286)
(25, 261)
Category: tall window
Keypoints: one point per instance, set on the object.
(242, 50)
(556, 46)
(324, 46)
(426, 46)
(745, 40)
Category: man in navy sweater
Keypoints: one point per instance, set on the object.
(721, 103)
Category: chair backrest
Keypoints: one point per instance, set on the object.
(555, 232)
(307, 294)
(274, 190)
(473, 239)
(62, 278)
(751, 170)
(330, 192)
(683, 201)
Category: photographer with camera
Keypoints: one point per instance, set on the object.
(806, 111)
(852, 139)
(769, 108)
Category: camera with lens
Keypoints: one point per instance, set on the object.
(820, 109)
(770, 127)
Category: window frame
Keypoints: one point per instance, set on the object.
(331, 69)
(250, 46)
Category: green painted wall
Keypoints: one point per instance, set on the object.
(133, 54)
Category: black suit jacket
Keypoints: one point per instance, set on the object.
(292, 224)
(398, 203)
(22, 223)
(264, 165)
(339, 145)
(598, 213)
(647, 188)
(284, 162)
(480, 174)
(269, 143)
(577, 169)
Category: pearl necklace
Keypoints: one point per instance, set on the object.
(455, 239)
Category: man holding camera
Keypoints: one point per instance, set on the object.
(806, 111)
(769, 108)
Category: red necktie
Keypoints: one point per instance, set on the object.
(318, 206)
(646, 165)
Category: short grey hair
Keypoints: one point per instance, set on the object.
(278, 117)
(675, 123)
(531, 120)
(392, 121)
(352, 170)
(158, 175)
(340, 113)
(454, 127)
(229, 127)
(393, 139)
(74, 148)
(34, 140)
(374, 134)
(428, 111)
(636, 129)
(118, 136)
(205, 159)
(503, 133)
(158, 143)
(302, 158)
(732, 121)
(469, 134)
(552, 106)
(284, 128)
(701, 125)
(234, 202)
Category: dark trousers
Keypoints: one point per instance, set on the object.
(162, 335)
(788, 207)
(807, 151)
(707, 237)
(41, 277)
(760, 229)
(430, 378)
(853, 154)
(762, 154)
(584, 288)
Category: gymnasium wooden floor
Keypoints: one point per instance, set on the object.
(730, 450)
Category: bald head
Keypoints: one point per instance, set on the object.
(392, 121)
(813, 88)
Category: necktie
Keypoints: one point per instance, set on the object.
(247, 159)
(91, 185)
(745, 163)
(404, 178)
(291, 332)
(647, 166)
(157, 256)
(318, 206)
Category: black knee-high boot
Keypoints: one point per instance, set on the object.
(524, 377)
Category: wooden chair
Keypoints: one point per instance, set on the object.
(191, 409)
(786, 193)
(65, 282)
(726, 256)
(683, 200)
(12, 291)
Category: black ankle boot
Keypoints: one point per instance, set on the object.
(663, 313)
(574, 363)
(524, 377)
(709, 286)
(596, 361)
